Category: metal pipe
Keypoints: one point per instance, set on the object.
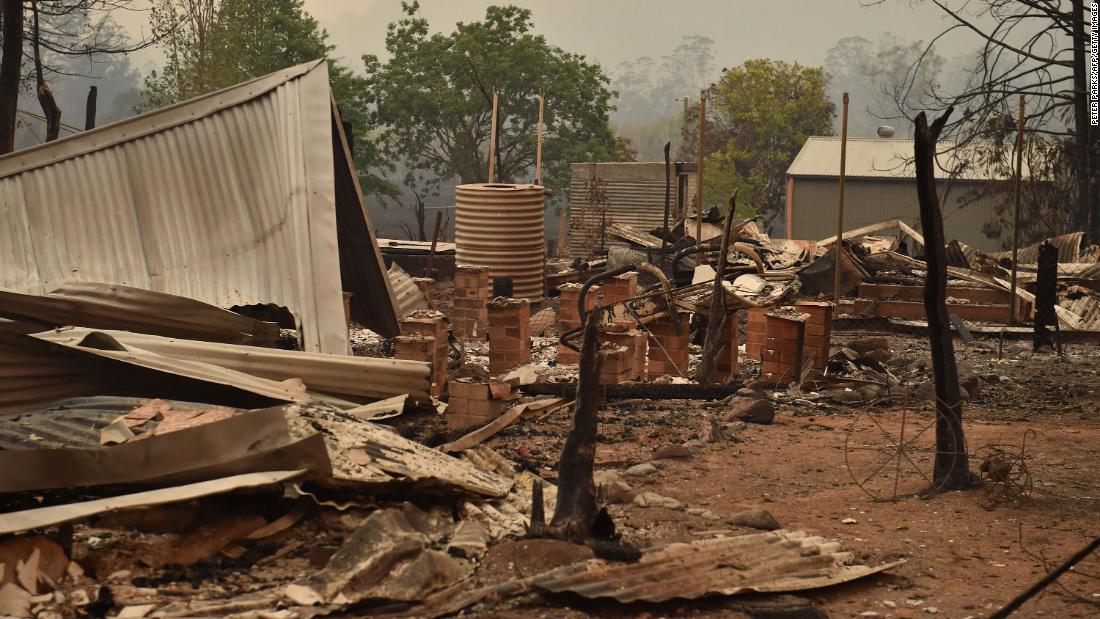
(1016, 214)
(840, 201)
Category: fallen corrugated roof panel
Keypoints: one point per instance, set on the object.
(243, 196)
(75, 422)
(763, 562)
(246, 442)
(345, 376)
(54, 515)
(110, 306)
(35, 372)
(1069, 249)
(408, 295)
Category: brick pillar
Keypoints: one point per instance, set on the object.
(727, 348)
(623, 334)
(430, 323)
(757, 333)
(568, 318)
(619, 288)
(425, 284)
(783, 352)
(617, 366)
(815, 341)
(471, 294)
(509, 335)
(420, 348)
(676, 346)
(470, 405)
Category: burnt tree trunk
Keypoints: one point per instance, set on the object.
(89, 108)
(718, 317)
(45, 97)
(11, 12)
(576, 510)
(1046, 296)
(951, 470)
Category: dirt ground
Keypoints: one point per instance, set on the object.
(966, 553)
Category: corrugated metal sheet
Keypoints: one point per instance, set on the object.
(232, 198)
(1069, 249)
(35, 372)
(762, 562)
(883, 158)
(408, 295)
(500, 226)
(635, 193)
(105, 306)
(341, 375)
(870, 201)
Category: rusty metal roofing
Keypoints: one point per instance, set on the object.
(762, 562)
(242, 196)
(886, 158)
(1069, 249)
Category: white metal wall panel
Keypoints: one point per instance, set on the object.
(228, 199)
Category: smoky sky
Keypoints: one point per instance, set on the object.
(613, 31)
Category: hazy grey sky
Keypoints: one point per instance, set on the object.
(612, 31)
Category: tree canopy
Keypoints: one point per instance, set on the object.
(433, 99)
(212, 44)
(758, 117)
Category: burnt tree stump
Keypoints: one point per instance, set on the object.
(951, 469)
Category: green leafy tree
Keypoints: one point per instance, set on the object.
(433, 98)
(758, 117)
(212, 44)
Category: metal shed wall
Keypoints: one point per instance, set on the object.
(871, 200)
(635, 194)
(229, 198)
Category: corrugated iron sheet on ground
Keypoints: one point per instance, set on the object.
(763, 562)
(350, 377)
(35, 372)
(109, 306)
(239, 197)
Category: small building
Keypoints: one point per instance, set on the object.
(880, 184)
(634, 195)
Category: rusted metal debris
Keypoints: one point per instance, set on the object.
(762, 562)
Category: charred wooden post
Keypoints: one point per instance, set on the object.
(718, 316)
(951, 470)
(576, 509)
(89, 108)
(1046, 296)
